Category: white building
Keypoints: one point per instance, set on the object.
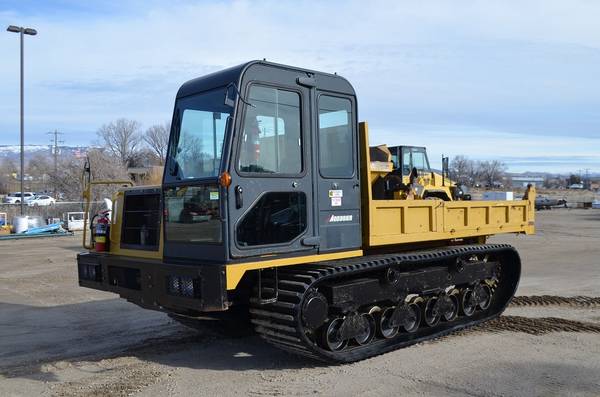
(525, 180)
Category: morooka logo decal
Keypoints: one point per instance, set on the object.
(340, 218)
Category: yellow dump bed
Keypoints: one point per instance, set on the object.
(409, 221)
(388, 222)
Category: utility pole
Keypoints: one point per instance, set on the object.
(55, 152)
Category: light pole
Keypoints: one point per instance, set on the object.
(32, 32)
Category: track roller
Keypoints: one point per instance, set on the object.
(332, 338)
(468, 305)
(368, 330)
(412, 318)
(385, 323)
(482, 294)
(448, 307)
(431, 312)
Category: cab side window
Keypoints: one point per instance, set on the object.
(336, 158)
(420, 161)
(271, 137)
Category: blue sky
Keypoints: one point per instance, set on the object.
(515, 80)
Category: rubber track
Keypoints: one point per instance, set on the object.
(280, 323)
(549, 300)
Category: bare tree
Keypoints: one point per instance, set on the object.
(8, 170)
(9, 166)
(39, 166)
(39, 171)
(473, 171)
(461, 169)
(157, 138)
(121, 138)
(103, 164)
(491, 171)
(67, 181)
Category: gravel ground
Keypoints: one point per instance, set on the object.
(59, 339)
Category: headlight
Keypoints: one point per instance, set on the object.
(90, 272)
(182, 286)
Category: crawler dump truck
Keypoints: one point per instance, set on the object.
(273, 205)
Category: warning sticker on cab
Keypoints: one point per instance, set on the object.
(214, 196)
(336, 201)
(336, 193)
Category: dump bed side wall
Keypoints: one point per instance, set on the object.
(409, 221)
(388, 222)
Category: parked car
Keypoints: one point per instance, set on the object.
(41, 200)
(545, 203)
(15, 197)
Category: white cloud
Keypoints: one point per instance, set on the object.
(524, 67)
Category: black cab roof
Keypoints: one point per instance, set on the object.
(235, 75)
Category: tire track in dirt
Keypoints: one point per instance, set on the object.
(544, 325)
(121, 377)
(536, 326)
(540, 325)
(550, 300)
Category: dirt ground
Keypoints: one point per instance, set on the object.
(59, 339)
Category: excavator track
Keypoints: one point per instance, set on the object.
(349, 310)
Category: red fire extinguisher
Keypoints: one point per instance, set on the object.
(102, 229)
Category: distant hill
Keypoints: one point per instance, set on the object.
(12, 152)
(549, 174)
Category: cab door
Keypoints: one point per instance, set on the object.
(270, 203)
(337, 178)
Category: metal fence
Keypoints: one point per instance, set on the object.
(49, 211)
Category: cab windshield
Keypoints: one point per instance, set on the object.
(197, 144)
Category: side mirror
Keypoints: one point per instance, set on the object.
(231, 102)
(228, 101)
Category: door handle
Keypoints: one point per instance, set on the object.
(239, 200)
(314, 241)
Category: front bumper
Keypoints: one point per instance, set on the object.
(156, 285)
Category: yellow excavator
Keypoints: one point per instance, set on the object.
(274, 208)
